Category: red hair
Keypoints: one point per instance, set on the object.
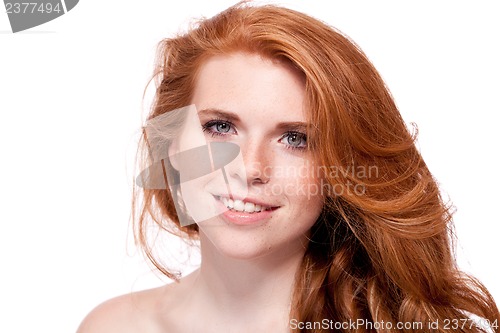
(380, 254)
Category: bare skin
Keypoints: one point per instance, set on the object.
(188, 306)
(245, 281)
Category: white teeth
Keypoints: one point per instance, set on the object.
(228, 203)
(249, 207)
(241, 206)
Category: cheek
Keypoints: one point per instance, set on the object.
(299, 181)
(304, 192)
(200, 203)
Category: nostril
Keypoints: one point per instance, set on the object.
(261, 180)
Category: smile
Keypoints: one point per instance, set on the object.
(244, 205)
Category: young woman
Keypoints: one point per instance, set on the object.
(275, 143)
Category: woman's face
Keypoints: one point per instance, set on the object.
(267, 197)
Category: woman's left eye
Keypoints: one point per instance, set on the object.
(294, 140)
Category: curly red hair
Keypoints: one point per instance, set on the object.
(381, 255)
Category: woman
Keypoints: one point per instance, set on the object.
(274, 141)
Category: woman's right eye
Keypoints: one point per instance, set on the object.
(219, 127)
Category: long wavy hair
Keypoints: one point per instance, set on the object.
(383, 254)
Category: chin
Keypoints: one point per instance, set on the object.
(246, 252)
(248, 244)
(234, 247)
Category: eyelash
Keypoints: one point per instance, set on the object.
(208, 128)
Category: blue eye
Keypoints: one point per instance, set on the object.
(218, 127)
(222, 127)
(294, 140)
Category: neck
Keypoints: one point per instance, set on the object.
(252, 290)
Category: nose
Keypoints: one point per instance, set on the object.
(257, 160)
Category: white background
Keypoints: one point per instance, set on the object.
(71, 108)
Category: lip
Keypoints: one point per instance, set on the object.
(244, 218)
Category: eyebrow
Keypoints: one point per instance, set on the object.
(233, 117)
(295, 126)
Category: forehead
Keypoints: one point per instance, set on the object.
(249, 83)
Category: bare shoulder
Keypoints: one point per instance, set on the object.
(130, 313)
